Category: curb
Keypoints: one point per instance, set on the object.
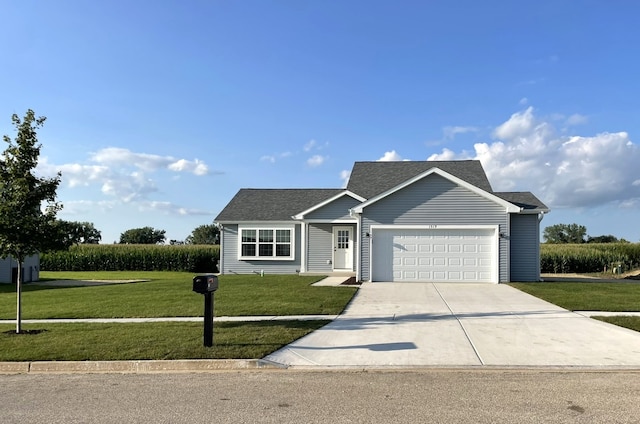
(134, 367)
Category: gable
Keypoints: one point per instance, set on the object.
(370, 179)
(509, 207)
(337, 207)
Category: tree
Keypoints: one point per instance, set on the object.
(69, 233)
(144, 235)
(565, 233)
(603, 239)
(25, 227)
(204, 234)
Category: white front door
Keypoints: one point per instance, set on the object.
(343, 248)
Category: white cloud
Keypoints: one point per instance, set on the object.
(196, 167)
(170, 208)
(116, 156)
(310, 145)
(314, 145)
(273, 158)
(121, 173)
(576, 119)
(565, 171)
(136, 187)
(391, 156)
(519, 123)
(523, 101)
(316, 160)
(344, 177)
(75, 174)
(450, 132)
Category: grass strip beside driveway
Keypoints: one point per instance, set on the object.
(630, 322)
(169, 294)
(588, 296)
(166, 340)
(611, 297)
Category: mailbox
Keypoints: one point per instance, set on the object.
(205, 284)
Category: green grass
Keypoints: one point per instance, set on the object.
(169, 294)
(104, 342)
(631, 322)
(613, 297)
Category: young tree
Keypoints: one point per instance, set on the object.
(565, 233)
(204, 234)
(144, 235)
(25, 226)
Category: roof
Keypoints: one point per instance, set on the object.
(527, 201)
(368, 179)
(251, 204)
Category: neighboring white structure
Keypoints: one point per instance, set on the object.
(30, 269)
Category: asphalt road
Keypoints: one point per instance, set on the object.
(428, 396)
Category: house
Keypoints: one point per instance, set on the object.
(395, 221)
(9, 269)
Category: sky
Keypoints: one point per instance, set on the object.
(158, 112)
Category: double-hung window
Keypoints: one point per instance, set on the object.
(266, 243)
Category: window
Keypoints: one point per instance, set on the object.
(266, 243)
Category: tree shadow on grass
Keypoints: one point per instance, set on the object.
(24, 332)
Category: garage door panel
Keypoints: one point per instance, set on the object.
(455, 255)
(455, 261)
(455, 248)
(439, 261)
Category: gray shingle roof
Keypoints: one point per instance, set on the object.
(272, 204)
(524, 199)
(368, 179)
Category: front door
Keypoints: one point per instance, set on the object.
(343, 248)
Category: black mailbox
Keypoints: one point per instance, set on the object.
(205, 284)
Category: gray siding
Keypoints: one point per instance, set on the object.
(231, 264)
(30, 267)
(338, 209)
(434, 200)
(320, 247)
(525, 248)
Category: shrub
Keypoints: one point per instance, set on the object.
(133, 257)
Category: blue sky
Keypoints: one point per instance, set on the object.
(159, 111)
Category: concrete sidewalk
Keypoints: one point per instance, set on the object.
(425, 324)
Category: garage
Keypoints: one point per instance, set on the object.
(457, 255)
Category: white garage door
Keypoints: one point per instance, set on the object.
(445, 255)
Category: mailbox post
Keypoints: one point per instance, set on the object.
(207, 285)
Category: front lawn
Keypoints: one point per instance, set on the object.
(164, 340)
(169, 294)
(612, 297)
(631, 322)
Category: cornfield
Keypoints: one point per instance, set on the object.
(133, 257)
(589, 257)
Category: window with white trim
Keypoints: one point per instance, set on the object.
(266, 243)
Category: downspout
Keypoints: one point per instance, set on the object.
(358, 216)
(540, 216)
(303, 243)
(221, 249)
(303, 247)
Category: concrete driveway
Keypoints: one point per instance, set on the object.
(426, 324)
